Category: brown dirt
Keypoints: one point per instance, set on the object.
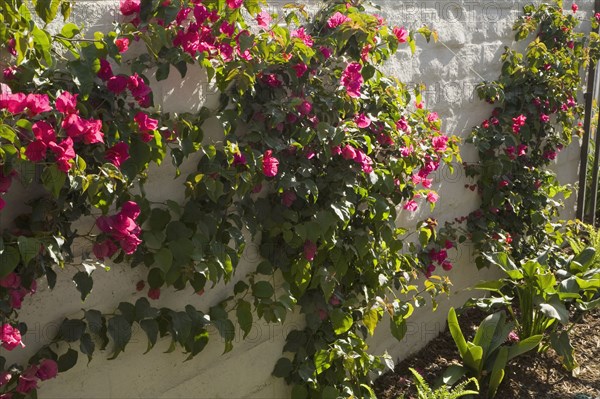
(531, 376)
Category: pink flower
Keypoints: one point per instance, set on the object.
(326, 51)
(348, 152)
(447, 266)
(11, 46)
(544, 118)
(270, 164)
(235, 3)
(154, 293)
(47, 369)
(362, 121)
(28, 380)
(271, 80)
(513, 336)
(302, 35)
(227, 29)
(10, 337)
(574, 8)
(66, 103)
(352, 79)
(310, 250)
(74, 126)
(11, 281)
(522, 150)
(411, 206)
(226, 51)
(104, 249)
(5, 378)
(337, 19)
(406, 151)
(16, 297)
(518, 122)
(550, 155)
(402, 124)
(117, 84)
(13, 103)
(300, 69)
(239, 159)
(432, 197)
(503, 183)
(432, 117)
(36, 151)
(129, 7)
(401, 34)
(440, 143)
(38, 103)
(145, 123)
(122, 44)
(130, 209)
(263, 18)
(138, 87)
(105, 71)
(510, 152)
(336, 150)
(288, 198)
(117, 154)
(63, 152)
(304, 108)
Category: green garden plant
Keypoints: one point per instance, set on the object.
(424, 391)
(486, 357)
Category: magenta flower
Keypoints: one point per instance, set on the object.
(37, 103)
(310, 250)
(117, 84)
(352, 79)
(11, 281)
(129, 7)
(440, 143)
(432, 197)
(117, 154)
(104, 249)
(122, 44)
(145, 123)
(47, 369)
(337, 19)
(401, 34)
(411, 206)
(154, 293)
(10, 337)
(348, 152)
(235, 3)
(66, 103)
(362, 121)
(326, 51)
(263, 18)
(288, 198)
(270, 164)
(300, 69)
(302, 35)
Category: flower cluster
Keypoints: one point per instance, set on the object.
(120, 228)
(10, 337)
(28, 380)
(16, 291)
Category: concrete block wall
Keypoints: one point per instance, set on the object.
(472, 36)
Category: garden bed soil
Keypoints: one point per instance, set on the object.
(530, 376)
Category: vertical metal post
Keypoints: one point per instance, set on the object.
(589, 99)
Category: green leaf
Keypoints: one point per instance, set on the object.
(29, 248)
(453, 374)
(299, 392)
(330, 393)
(71, 330)
(523, 346)
(150, 327)
(474, 358)
(398, 327)
(456, 333)
(87, 346)
(84, 284)
(9, 259)
(263, 289)
(163, 259)
(283, 368)
(342, 321)
(70, 30)
(371, 319)
(555, 309)
(67, 361)
(120, 332)
(244, 316)
(53, 180)
(497, 373)
(561, 343)
(47, 9)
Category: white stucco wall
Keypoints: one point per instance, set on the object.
(472, 37)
